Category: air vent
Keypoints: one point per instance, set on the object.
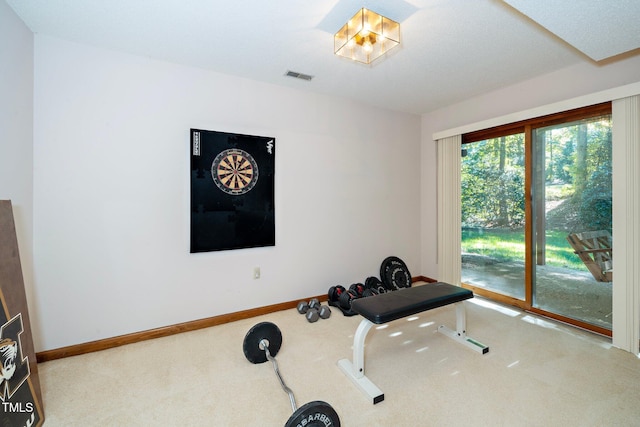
(300, 76)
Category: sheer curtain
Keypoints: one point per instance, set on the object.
(626, 223)
(449, 212)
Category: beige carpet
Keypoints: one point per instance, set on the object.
(537, 373)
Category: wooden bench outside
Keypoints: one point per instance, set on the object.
(595, 249)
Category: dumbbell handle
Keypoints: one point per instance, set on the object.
(265, 344)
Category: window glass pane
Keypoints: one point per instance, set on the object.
(493, 214)
(572, 200)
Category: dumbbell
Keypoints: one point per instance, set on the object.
(358, 288)
(303, 306)
(318, 312)
(312, 315)
(324, 312)
(262, 343)
(346, 298)
(334, 294)
(314, 310)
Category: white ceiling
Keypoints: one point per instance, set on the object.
(600, 29)
(451, 49)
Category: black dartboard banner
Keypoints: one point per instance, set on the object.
(232, 191)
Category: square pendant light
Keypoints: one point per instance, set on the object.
(366, 37)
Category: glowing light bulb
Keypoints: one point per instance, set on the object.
(367, 46)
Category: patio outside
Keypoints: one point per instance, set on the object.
(569, 292)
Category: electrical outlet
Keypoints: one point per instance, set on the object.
(256, 272)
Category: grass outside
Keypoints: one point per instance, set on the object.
(508, 245)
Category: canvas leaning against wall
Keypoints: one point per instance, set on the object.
(232, 191)
(20, 395)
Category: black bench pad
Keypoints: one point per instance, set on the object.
(395, 305)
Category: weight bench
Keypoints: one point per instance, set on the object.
(384, 308)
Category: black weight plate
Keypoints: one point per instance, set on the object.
(251, 345)
(395, 274)
(375, 284)
(372, 282)
(314, 414)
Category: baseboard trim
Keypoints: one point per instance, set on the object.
(107, 343)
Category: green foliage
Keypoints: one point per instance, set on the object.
(577, 163)
(595, 209)
(574, 165)
(559, 153)
(492, 177)
(555, 192)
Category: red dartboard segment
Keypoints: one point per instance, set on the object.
(234, 171)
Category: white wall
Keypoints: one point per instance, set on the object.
(16, 133)
(571, 82)
(111, 183)
(111, 189)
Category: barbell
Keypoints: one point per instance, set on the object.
(262, 343)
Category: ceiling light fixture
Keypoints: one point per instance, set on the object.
(366, 37)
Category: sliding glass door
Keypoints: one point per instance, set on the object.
(536, 215)
(572, 221)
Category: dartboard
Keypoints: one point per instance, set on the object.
(234, 171)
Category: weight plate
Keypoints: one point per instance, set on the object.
(374, 284)
(371, 282)
(251, 345)
(395, 274)
(314, 414)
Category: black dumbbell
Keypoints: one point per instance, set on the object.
(334, 294)
(346, 298)
(358, 288)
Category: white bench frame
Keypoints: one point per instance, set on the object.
(355, 370)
